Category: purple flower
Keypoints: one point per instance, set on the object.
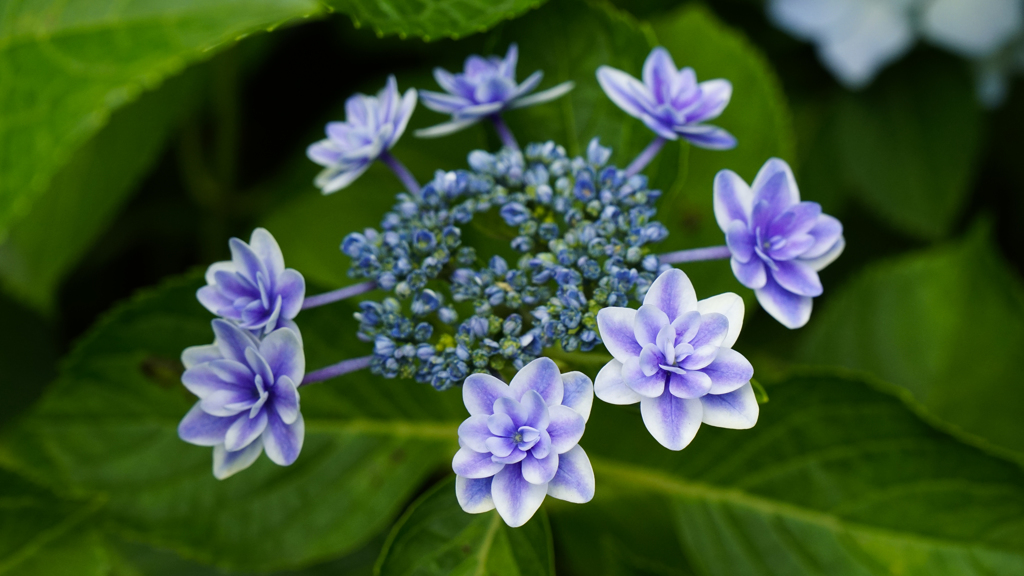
(248, 397)
(520, 442)
(674, 356)
(254, 288)
(670, 101)
(373, 124)
(778, 243)
(486, 87)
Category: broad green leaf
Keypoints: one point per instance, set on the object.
(837, 477)
(28, 359)
(87, 192)
(757, 116)
(431, 19)
(947, 324)
(65, 66)
(108, 427)
(435, 537)
(43, 535)
(908, 145)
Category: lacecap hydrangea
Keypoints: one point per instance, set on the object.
(577, 271)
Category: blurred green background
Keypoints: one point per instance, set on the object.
(136, 137)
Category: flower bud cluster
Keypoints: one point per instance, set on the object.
(581, 229)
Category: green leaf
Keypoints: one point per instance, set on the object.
(43, 535)
(908, 145)
(757, 116)
(947, 324)
(108, 427)
(86, 194)
(837, 477)
(435, 536)
(65, 66)
(431, 19)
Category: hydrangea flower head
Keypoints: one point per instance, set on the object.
(248, 397)
(486, 87)
(778, 243)
(674, 356)
(254, 288)
(521, 442)
(373, 124)
(670, 101)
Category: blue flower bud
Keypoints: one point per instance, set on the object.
(650, 263)
(386, 281)
(522, 244)
(383, 346)
(597, 155)
(514, 213)
(498, 265)
(423, 331)
(448, 315)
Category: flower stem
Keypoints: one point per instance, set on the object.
(507, 138)
(645, 157)
(402, 172)
(696, 255)
(339, 369)
(339, 294)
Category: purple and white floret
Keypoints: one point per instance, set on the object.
(372, 126)
(486, 87)
(254, 289)
(670, 101)
(674, 356)
(778, 243)
(521, 442)
(248, 397)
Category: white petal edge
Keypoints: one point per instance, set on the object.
(737, 410)
(610, 387)
(729, 305)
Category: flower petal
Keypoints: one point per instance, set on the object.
(672, 293)
(286, 399)
(797, 278)
(500, 446)
(751, 274)
(826, 232)
(686, 326)
(715, 96)
(775, 190)
(728, 371)
(202, 429)
(443, 103)
(472, 464)
(574, 480)
(733, 199)
(659, 75)
(283, 442)
(690, 385)
(228, 401)
(540, 470)
(648, 323)
(515, 499)
(498, 425)
(283, 353)
(642, 384)
(515, 410)
(672, 421)
(616, 328)
(210, 377)
(712, 332)
(244, 430)
(566, 428)
(740, 241)
(542, 376)
(227, 463)
(516, 456)
(700, 357)
(791, 310)
(707, 136)
(737, 409)
(625, 91)
(474, 432)
(474, 494)
(291, 286)
(265, 246)
(446, 128)
(333, 179)
(610, 387)
(827, 258)
(552, 93)
(537, 415)
(579, 393)
(196, 355)
(232, 340)
(729, 305)
(480, 391)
